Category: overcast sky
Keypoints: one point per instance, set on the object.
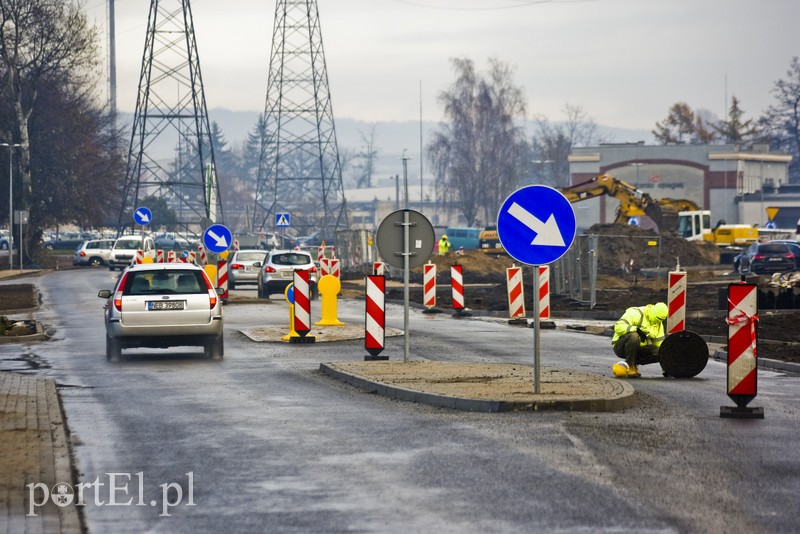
(625, 62)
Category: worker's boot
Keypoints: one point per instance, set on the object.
(633, 372)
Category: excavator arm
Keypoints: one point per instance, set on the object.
(632, 202)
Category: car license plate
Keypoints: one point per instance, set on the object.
(287, 274)
(165, 304)
(775, 259)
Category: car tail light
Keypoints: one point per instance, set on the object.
(313, 269)
(212, 293)
(759, 257)
(82, 254)
(118, 294)
(237, 266)
(270, 269)
(790, 256)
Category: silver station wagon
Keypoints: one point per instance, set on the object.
(160, 305)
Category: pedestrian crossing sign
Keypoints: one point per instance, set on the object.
(282, 220)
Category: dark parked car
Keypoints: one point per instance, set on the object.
(766, 258)
(794, 246)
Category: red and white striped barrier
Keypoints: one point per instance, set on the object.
(544, 292)
(236, 245)
(192, 257)
(159, 256)
(429, 285)
(302, 303)
(320, 253)
(334, 268)
(137, 259)
(171, 256)
(676, 302)
(516, 295)
(379, 268)
(742, 339)
(324, 266)
(202, 253)
(375, 317)
(457, 285)
(222, 278)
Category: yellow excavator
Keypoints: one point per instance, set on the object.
(632, 202)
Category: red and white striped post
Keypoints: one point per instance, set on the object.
(202, 252)
(159, 256)
(334, 268)
(544, 292)
(676, 302)
(742, 351)
(375, 317)
(302, 303)
(320, 253)
(236, 245)
(516, 294)
(379, 268)
(170, 256)
(138, 257)
(429, 285)
(457, 285)
(192, 257)
(222, 279)
(324, 266)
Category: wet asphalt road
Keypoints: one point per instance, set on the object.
(263, 442)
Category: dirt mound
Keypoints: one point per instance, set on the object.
(626, 248)
(477, 266)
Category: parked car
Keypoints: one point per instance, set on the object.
(161, 305)
(461, 237)
(764, 258)
(95, 252)
(278, 268)
(242, 268)
(63, 244)
(4, 243)
(125, 248)
(171, 241)
(794, 246)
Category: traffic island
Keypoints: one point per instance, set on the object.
(323, 334)
(482, 387)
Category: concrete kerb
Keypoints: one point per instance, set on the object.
(616, 394)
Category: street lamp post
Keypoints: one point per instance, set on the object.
(396, 179)
(405, 177)
(637, 165)
(11, 147)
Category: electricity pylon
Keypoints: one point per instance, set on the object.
(299, 171)
(171, 156)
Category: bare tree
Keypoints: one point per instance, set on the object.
(479, 155)
(552, 144)
(781, 121)
(42, 43)
(366, 159)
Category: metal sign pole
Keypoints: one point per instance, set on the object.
(536, 369)
(406, 269)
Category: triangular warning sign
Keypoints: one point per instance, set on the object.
(771, 213)
(282, 221)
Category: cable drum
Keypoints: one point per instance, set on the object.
(683, 354)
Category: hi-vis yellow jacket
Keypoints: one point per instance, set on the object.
(638, 318)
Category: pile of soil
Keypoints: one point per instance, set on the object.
(17, 297)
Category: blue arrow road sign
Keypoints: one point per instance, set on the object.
(217, 238)
(283, 220)
(536, 225)
(142, 216)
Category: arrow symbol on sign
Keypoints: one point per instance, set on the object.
(143, 216)
(221, 241)
(547, 233)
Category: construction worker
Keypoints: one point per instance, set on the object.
(444, 245)
(637, 337)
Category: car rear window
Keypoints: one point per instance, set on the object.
(291, 258)
(774, 248)
(164, 282)
(250, 256)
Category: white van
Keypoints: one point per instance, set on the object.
(125, 247)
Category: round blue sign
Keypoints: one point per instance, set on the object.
(142, 216)
(217, 238)
(536, 225)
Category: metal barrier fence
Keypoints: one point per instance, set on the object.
(575, 274)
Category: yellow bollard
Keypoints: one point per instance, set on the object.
(329, 287)
(292, 332)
